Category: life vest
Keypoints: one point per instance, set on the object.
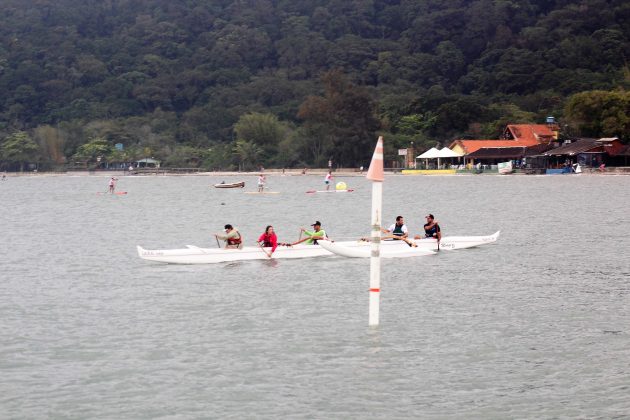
(432, 232)
(235, 241)
(398, 231)
(267, 241)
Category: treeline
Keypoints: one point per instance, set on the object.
(227, 84)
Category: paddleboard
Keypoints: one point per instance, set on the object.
(328, 191)
(116, 193)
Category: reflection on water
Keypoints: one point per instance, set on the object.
(534, 326)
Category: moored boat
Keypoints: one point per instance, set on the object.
(505, 168)
(231, 185)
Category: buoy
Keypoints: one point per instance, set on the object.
(341, 186)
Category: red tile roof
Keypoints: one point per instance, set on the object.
(473, 145)
(530, 134)
(516, 135)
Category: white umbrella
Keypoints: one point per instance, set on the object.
(445, 152)
(432, 153)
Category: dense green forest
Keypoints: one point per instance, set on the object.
(225, 84)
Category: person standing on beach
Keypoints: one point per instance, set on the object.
(328, 180)
(261, 182)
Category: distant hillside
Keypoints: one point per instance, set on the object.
(242, 83)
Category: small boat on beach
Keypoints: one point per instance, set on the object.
(231, 185)
(389, 249)
(505, 168)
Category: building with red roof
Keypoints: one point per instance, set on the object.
(514, 143)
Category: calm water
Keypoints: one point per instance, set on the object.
(534, 326)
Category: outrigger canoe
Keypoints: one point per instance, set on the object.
(232, 185)
(399, 249)
(390, 249)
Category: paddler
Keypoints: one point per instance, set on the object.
(398, 231)
(112, 185)
(431, 229)
(232, 237)
(328, 180)
(268, 240)
(312, 235)
(261, 182)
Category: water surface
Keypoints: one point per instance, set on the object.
(534, 326)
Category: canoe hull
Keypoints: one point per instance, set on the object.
(399, 250)
(196, 255)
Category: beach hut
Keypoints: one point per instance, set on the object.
(147, 163)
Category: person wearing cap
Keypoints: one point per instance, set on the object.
(431, 229)
(312, 235)
(232, 237)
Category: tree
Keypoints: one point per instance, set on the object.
(263, 130)
(599, 113)
(342, 123)
(248, 154)
(95, 150)
(19, 148)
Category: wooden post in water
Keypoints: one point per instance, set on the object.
(376, 175)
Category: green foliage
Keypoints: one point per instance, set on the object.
(342, 124)
(19, 148)
(600, 113)
(163, 74)
(96, 150)
(248, 155)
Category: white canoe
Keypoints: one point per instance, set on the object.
(399, 249)
(390, 250)
(196, 255)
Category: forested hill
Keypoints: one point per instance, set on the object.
(294, 82)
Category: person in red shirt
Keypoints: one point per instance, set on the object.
(268, 240)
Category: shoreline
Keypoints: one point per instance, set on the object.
(293, 172)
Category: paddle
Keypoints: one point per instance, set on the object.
(398, 238)
(438, 235)
(263, 249)
(218, 245)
